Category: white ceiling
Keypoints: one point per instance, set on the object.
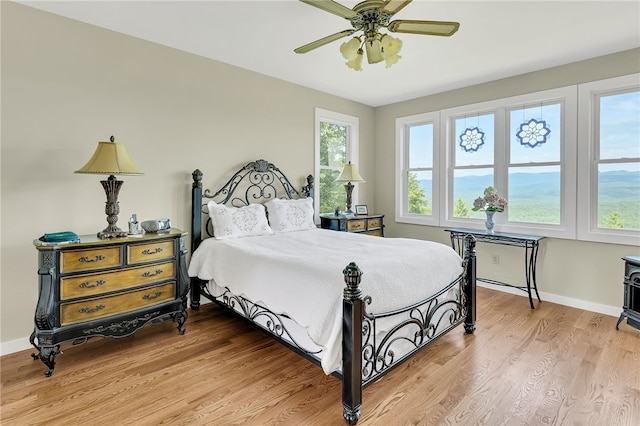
(496, 39)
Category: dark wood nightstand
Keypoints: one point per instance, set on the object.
(372, 224)
(107, 288)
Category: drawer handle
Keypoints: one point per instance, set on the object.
(152, 296)
(86, 310)
(357, 225)
(96, 259)
(157, 250)
(87, 284)
(149, 274)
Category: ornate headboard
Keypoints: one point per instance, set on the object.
(257, 182)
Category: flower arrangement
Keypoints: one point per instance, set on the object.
(490, 202)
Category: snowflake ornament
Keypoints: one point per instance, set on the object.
(533, 133)
(472, 139)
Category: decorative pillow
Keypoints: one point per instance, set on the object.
(232, 222)
(290, 215)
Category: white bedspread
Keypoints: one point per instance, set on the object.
(300, 274)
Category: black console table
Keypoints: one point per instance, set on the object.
(530, 243)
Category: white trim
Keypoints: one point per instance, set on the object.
(585, 305)
(402, 155)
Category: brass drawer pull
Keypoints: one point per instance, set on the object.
(154, 296)
(87, 284)
(149, 252)
(152, 274)
(86, 310)
(96, 259)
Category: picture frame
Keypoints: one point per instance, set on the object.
(362, 209)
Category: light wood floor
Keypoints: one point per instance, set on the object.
(549, 366)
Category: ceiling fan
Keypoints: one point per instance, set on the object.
(369, 16)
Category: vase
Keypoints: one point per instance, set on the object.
(489, 223)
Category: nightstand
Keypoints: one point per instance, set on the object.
(107, 288)
(372, 224)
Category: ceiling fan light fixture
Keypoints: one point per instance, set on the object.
(390, 48)
(374, 49)
(356, 63)
(349, 49)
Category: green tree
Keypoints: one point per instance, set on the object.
(460, 209)
(418, 202)
(333, 144)
(613, 220)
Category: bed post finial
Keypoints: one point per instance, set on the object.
(352, 310)
(352, 277)
(197, 178)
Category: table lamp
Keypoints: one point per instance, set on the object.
(349, 174)
(111, 158)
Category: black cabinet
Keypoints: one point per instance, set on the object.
(631, 307)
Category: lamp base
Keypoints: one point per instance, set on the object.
(111, 233)
(112, 208)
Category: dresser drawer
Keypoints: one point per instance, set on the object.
(95, 284)
(85, 310)
(374, 223)
(356, 225)
(375, 232)
(147, 252)
(90, 259)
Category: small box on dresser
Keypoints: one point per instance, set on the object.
(107, 288)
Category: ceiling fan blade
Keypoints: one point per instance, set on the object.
(439, 28)
(332, 7)
(392, 7)
(324, 40)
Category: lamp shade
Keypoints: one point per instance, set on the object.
(110, 158)
(350, 174)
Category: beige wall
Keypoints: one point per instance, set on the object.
(67, 85)
(590, 272)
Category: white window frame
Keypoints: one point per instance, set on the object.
(444, 131)
(500, 107)
(402, 164)
(588, 95)
(352, 149)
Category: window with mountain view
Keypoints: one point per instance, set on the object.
(618, 160)
(534, 171)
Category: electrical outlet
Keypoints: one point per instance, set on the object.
(495, 259)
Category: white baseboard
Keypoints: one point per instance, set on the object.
(614, 311)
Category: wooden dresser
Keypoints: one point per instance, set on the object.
(107, 288)
(372, 224)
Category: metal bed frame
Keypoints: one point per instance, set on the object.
(365, 355)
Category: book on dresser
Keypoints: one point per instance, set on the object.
(107, 288)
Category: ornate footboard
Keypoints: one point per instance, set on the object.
(367, 353)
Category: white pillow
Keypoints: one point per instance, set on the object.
(290, 215)
(231, 222)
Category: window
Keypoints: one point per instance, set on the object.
(417, 184)
(609, 183)
(524, 146)
(567, 160)
(336, 143)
